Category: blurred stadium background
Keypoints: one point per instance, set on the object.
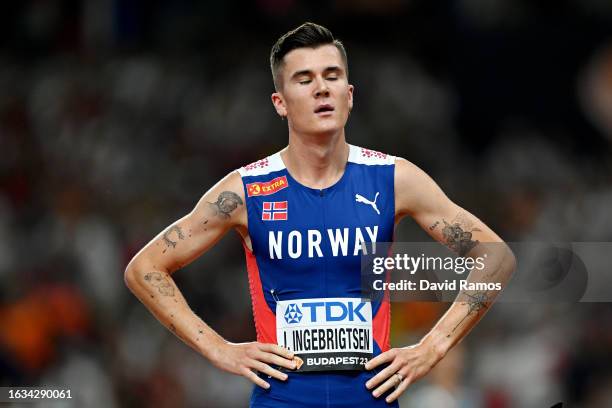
(115, 116)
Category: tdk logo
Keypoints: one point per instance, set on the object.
(336, 311)
(293, 314)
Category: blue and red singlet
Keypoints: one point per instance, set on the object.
(305, 280)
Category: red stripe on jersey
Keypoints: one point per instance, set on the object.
(265, 216)
(265, 319)
(267, 206)
(381, 324)
(280, 205)
(280, 216)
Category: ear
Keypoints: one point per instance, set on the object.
(279, 104)
(351, 88)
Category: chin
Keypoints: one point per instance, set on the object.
(325, 127)
(326, 130)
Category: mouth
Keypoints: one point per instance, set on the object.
(326, 109)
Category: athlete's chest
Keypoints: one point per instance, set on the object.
(295, 221)
(283, 202)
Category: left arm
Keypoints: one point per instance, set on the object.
(417, 195)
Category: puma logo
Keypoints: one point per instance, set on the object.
(361, 199)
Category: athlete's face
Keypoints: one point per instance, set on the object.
(315, 95)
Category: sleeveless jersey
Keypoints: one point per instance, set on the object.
(307, 245)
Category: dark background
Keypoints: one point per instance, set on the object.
(116, 116)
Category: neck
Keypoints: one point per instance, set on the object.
(316, 161)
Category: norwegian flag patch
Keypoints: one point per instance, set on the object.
(274, 211)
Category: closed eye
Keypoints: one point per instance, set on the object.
(305, 82)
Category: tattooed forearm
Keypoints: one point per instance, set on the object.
(434, 225)
(475, 302)
(168, 236)
(161, 282)
(227, 202)
(458, 235)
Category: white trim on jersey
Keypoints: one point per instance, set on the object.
(264, 166)
(358, 155)
(361, 155)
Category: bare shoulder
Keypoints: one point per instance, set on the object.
(406, 170)
(224, 202)
(414, 189)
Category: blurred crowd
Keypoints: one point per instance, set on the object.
(116, 116)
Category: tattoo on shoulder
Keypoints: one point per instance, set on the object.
(227, 202)
(476, 302)
(171, 239)
(458, 234)
(161, 282)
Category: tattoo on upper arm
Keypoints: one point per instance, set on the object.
(476, 302)
(227, 202)
(168, 239)
(161, 282)
(458, 234)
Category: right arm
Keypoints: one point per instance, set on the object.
(148, 275)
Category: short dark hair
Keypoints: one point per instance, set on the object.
(308, 35)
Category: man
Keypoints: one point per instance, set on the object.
(305, 215)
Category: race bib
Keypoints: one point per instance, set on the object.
(326, 333)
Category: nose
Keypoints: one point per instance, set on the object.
(322, 90)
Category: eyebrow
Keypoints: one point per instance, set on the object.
(333, 68)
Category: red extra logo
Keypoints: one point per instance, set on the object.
(263, 188)
(274, 211)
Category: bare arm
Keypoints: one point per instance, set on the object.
(149, 277)
(420, 197)
(464, 234)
